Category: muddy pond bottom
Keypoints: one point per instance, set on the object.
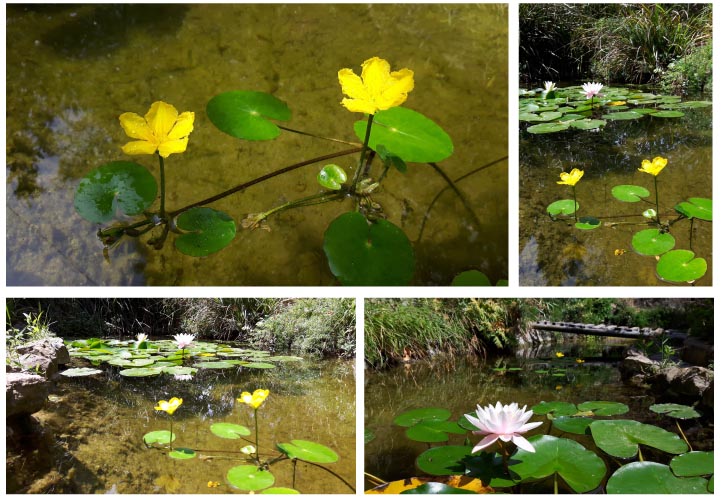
(89, 437)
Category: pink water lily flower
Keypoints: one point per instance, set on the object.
(506, 423)
(591, 89)
(184, 340)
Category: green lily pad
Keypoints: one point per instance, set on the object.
(249, 478)
(652, 242)
(675, 410)
(694, 463)
(629, 193)
(488, 467)
(432, 431)
(545, 116)
(116, 186)
(308, 451)
(208, 231)
(182, 453)
(366, 254)
(562, 207)
(588, 223)
(554, 408)
(669, 114)
(710, 484)
(548, 128)
(700, 208)
(215, 364)
(280, 491)
(471, 278)
(283, 359)
(158, 437)
(410, 135)
(141, 372)
(604, 408)
(574, 425)
(437, 489)
(332, 177)
(179, 370)
(80, 372)
(695, 104)
(444, 460)
(580, 468)
(680, 266)
(229, 431)
(259, 365)
(413, 417)
(588, 124)
(368, 436)
(623, 115)
(649, 478)
(246, 114)
(389, 159)
(620, 438)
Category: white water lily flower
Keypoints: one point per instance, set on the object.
(591, 89)
(184, 340)
(549, 86)
(142, 337)
(506, 423)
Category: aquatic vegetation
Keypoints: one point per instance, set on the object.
(561, 463)
(361, 246)
(506, 423)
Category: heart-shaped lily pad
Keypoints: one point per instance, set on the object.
(694, 463)
(700, 208)
(580, 468)
(574, 425)
(277, 490)
(178, 370)
(208, 231)
(365, 254)
(604, 408)
(182, 453)
(215, 364)
(675, 410)
(548, 128)
(116, 186)
(680, 266)
(669, 114)
(629, 193)
(648, 478)
(308, 451)
(413, 417)
(433, 432)
(158, 437)
(623, 115)
(141, 372)
(389, 159)
(620, 438)
(332, 177)
(259, 365)
(229, 431)
(588, 223)
(471, 278)
(80, 372)
(407, 133)
(444, 460)
(249, 478)
(246, 114)
(562, 207)
(652, 242)
(554, 408)
(588, 124)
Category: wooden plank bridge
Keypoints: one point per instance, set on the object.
(626, 332)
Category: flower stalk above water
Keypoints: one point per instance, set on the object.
(169, 407)
(255, 401)
(592, 89)
(654, 168)
(183, 340)
(571, 179)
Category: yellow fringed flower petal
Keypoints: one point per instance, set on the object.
(377, 88)
(162, 130)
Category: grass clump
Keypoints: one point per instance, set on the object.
(690, 74)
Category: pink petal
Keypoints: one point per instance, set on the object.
(523, 443)
(486, 441)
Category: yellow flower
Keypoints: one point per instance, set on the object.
(560, 355)
(571, 178)
(653, 167)
(377, 88)
(619, 251)
(213, 484)
(254, 400)
(162, 130)
(169, 407)
(579, 360)
(617, 103)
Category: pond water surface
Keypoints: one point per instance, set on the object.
(94, 426)
(558, 254)
(72, 70)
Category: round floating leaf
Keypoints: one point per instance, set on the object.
(280, 491)
(116, 186)
(437, 489)
(229, 431)
(555, 408)
(464, 423)
(410, 135)
(562, 207)
(649, 213)
(588, 124)
(675, 410)
(547, 128)
(588, 223)
(669, 114)
(695, 104)
(259, 365)
(332, 177)
(413, 417)
(582, 469)
(249, 478)
(471, 278)
(179, 370)
(604, 408)
(574, 425)
(368, 436)
(158, 437)
(309, 451)
(284, 358)
(141, 372)
(433, 432)
(365, 254)
(389, 159)
(215, 364)
(208, 231)
(489, 468)
(81, 372)
(182, 453)
(695, 463)
(648, 478)
(245, 114)
(620, 438)
(629, 193)
(444, 460)
(652, 242)
(700, 208)
(680, 266)
(623, 115)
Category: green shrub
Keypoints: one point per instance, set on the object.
(691, 73)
